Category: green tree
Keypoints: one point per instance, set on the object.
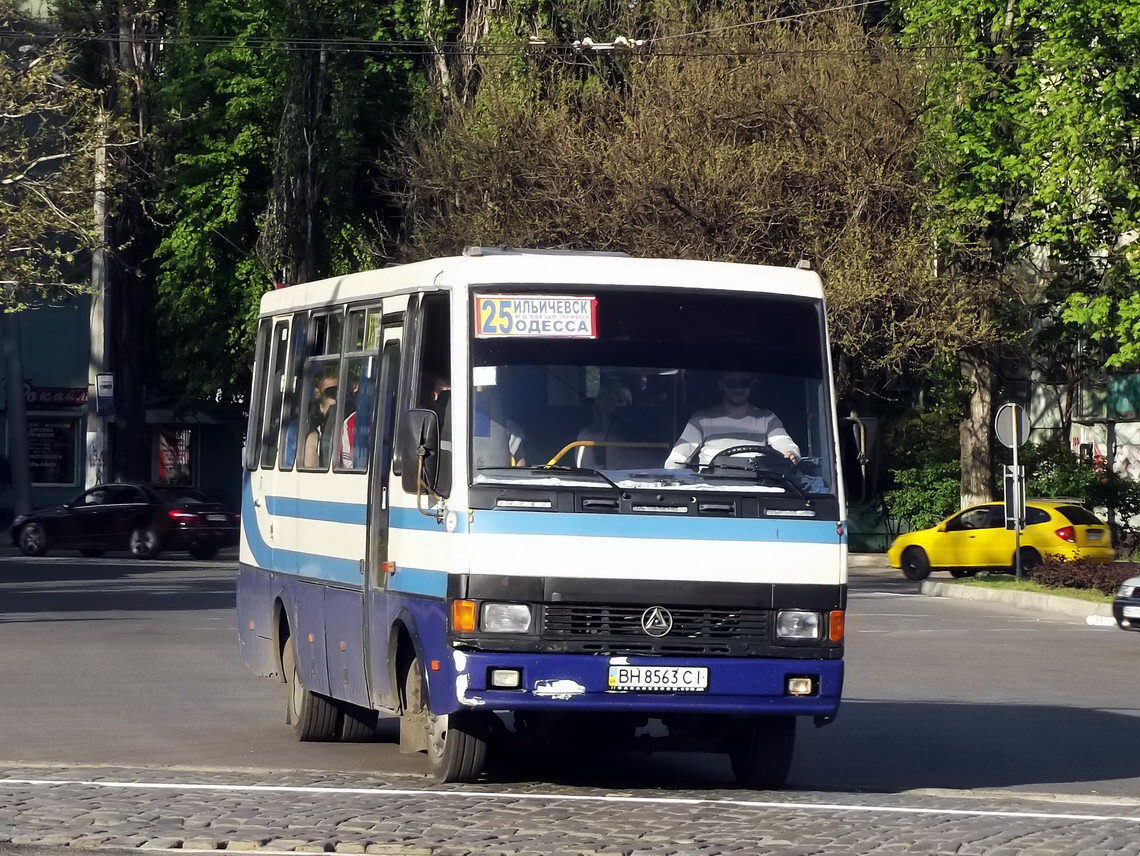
(52, 137)
(49, 136)
(1031, 113)
(270, 124)
(716, 140)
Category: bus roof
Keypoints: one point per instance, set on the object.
(537, 267)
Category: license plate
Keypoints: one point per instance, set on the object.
(659, 678)
(1094, 534)
(218, 518)
(1132, 612)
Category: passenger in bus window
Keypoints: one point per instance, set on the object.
(612, 395)
(497, 440)
(318, 443)
(735, 422)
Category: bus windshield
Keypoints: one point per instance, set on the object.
(670, 388)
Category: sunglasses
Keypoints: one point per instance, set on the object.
(329, 391)
(738, 383)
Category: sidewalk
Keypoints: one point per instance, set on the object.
(868, 560)
(1035, 601)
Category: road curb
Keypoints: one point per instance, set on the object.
(1051, 603)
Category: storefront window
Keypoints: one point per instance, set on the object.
(52, 444)
(174, 462)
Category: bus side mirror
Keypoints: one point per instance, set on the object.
(419, 447)
(858, 453)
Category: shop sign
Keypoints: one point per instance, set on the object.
(54, 396)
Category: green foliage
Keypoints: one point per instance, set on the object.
(1052, 471)
(924, 494)
(50, 129)
(736, 143)
(1034, 127)
(267, 152)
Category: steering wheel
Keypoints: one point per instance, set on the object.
(766, 451)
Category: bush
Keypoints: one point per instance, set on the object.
(925, 494)
(1104, 577)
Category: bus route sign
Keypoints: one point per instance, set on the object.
(553, 316)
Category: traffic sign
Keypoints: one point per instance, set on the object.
(1014, 497)
(1011, 425)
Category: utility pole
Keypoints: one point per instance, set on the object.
(17, 414)
(97, 446)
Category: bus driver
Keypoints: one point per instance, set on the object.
(734, 423)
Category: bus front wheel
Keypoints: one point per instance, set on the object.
(456, 743)
(761, 751)
(312, 716)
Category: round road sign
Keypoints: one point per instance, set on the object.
(1010, 418)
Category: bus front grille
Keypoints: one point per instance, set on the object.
(593, 628)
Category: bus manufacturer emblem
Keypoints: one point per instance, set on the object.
(656, 621)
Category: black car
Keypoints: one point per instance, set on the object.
(1126, 607)
(143, 519)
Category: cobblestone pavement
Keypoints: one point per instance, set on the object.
(163, 808)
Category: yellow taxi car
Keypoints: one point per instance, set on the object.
(976, 539)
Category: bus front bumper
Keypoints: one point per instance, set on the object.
(581, 682)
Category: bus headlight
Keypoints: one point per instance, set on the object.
(505, 618)
(797, 624)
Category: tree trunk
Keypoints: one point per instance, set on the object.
(974, 432)
(17, 416)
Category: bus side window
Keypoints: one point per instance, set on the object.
(294, 388)
(320, 391)
(431, 389)
(358, 391)
(256, 397)
(274, 390)
(412, 328)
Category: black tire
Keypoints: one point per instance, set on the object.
(203, 552)
(959, 573)
(1030, 561)
(313, 717)
(915, 564)
(456, 742)
(92, 554)
(143, 543)
(33, 539)
(761, 751)
(357, 724)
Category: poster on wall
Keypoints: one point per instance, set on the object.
(51, 450)
(174, 463)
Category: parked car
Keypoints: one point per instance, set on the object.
(976, 539)
(1126, 607)
(143, 519)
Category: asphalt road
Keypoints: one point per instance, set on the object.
(113, 661)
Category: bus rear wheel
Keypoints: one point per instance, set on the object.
(761, 751)
(313, 717)
(456, 742)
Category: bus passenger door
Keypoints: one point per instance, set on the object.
(376, 576)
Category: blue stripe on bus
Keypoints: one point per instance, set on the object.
(317, 509)
(411, 518)
(655, 526)
(328, 568)
(418, 581)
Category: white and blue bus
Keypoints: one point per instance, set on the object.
(547, 493)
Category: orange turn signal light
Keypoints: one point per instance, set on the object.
(463, 616)
(835, 625)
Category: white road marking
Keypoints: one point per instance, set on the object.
(555, 798)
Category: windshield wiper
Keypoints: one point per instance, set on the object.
(557, 469)
(784, 478)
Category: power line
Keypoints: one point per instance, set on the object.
(410, 49)
(859, 5)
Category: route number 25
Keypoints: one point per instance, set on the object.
(495, 316)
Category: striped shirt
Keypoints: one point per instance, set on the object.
(714, 430)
